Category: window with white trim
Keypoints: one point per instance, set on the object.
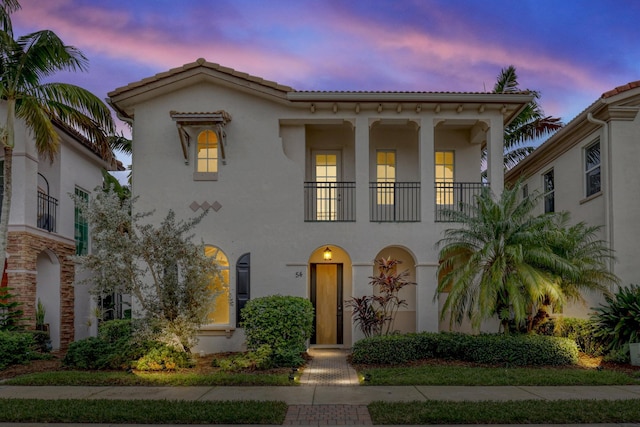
(444, 163)
(548, 185)
(80, 223)
(385, 176)
(592, 168)
(207, 156)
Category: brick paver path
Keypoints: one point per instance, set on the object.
(328, 367)
(328, 415)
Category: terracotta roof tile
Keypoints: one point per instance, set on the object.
(200, 62)
(621, 89)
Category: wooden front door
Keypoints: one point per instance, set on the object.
(327, 299)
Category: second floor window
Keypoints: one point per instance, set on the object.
(592, 168)
(549, 191)
(207, 161)
(385, 176)
(444, 177)
(80, 224)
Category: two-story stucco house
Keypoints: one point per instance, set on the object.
(590, 169)
(45, 229)
(306, 189)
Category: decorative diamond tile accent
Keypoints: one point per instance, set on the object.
(205, 206)
(216, 206)
(194, 206)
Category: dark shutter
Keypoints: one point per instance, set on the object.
(243, 283)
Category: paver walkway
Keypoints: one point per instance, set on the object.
(328, 367)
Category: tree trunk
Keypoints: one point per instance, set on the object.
(8, 143)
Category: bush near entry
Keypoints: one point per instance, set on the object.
(284, 323)
(512, 350)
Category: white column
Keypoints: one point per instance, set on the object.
(360, 286)
(427, 170)
(495, 156)
(427, 310)
(362, 169)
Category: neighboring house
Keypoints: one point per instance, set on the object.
(590, 169)
(306, 189)
(45, 229)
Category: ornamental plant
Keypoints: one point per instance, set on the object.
(168, 275)
(375, 314)
(618, 321)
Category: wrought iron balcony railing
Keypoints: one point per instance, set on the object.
(394, 201)
(329, 201)
(47, 209)
(455, 196)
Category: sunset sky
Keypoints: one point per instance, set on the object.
(570, 50)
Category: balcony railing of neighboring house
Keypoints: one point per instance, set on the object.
(455, 196)
(394, 201)
(47, 208)
(329, 201)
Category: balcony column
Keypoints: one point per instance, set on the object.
(361, 271)
(362, 169)
(427, 170)
(495, 156)
(427, 310)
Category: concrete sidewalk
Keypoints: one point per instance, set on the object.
(327, 395)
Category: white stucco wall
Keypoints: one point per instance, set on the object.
(261, 195)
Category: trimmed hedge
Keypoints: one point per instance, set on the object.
(16, 348)
(284, 323)
(513, 350)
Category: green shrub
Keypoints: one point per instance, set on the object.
(113, 348)
(115, 330)
(513, 350)
(582, 331)
(16, 348)
(251, 360)
(164, 358)
(89, 353)
(284, 323)
(618, 322)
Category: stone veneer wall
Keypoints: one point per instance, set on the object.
(23, 250)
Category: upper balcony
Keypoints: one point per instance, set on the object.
(455, 196)
(405, 183)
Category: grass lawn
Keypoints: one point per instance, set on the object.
(494, 376)
(117, 378)
(513, 412)
(141, 411)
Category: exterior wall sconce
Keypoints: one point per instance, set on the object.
(326, 255)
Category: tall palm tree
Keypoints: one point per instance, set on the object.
(503, 261)
(530, 125)
(24, 63)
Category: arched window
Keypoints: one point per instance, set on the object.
(207, 152)
(219, 313)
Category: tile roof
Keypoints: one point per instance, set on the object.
(200, 62)
(621, 89)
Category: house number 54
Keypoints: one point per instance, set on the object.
(298, 274)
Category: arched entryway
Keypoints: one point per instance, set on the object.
(48, 292)
(329, 282)
(405, 319)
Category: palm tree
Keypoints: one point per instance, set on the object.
(504, 261)
(24, 63)
(590, 256)
(530, 125)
